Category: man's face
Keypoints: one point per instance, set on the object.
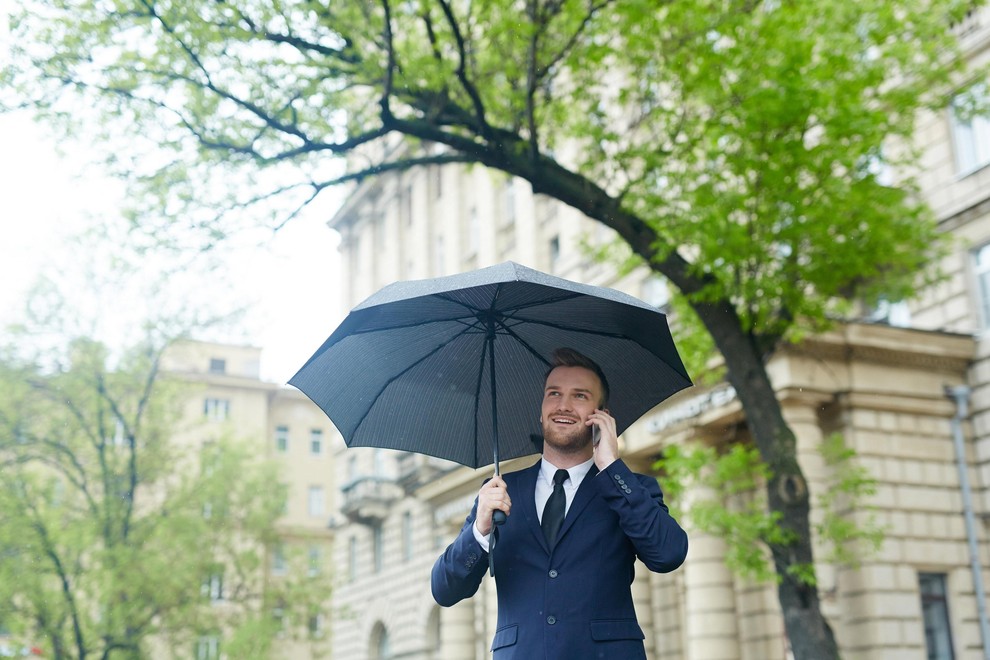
(571, 394)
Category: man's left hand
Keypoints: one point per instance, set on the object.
(606, 451)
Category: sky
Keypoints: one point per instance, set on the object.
(50, 194)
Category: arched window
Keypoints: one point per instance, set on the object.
(433, 634)
(380, 647)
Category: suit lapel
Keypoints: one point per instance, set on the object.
(584, 494)
(528, 479)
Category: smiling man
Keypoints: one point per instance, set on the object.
(565, 558)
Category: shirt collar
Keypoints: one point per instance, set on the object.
(575, 474)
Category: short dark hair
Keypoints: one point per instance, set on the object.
(568, 357)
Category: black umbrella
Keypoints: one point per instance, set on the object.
(454, 367)
(418, 365)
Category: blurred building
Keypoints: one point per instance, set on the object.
(283, 425)
(880, 381)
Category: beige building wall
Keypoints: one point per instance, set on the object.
(229, 399)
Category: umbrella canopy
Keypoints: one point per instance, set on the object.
(454, 367)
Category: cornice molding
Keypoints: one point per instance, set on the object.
(887, 345)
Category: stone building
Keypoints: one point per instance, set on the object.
(906, 386)
(283, 425)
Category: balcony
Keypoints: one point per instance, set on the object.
(415, 470)
(367, 500)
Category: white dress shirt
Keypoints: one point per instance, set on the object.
(544, 487)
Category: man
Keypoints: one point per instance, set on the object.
(564, 594)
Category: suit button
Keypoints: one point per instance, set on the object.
(618, 477)
(551, 620)
(553, 572)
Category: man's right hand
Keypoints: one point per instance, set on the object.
(492, 497)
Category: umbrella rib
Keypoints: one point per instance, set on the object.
(477, 401)
(569, 328)
(524, 344)
(398, 375)
(415, 324)
(548, 301)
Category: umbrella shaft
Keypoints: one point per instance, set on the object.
(491, 373)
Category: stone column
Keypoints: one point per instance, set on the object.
(457, 631)
(712, 630)
(643, 601)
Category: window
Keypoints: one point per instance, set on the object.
(438, 256)
(278, 614)
(407, 530)
(554, 253)
(981, 269)
(935, 612)
(379, 548)
(207, 648)
(281, 439)
(437, 181)
(218, 366)
(473, 232)
(381, 647)
(971, 129)
(656, 292)
(378, 232)
(216, 410)
(405, 206)
(119, 438)
(316, 624)
(895, 314)
(316, 442)
(279, 565)
(352, 558)
(433, 633)
(315, 561)
(209, 457)
(212, 587)
(316, 503)
(509, 201)
(57, 493)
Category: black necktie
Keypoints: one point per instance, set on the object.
(553, 512)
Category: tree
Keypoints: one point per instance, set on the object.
(734, 147)
(117, 539)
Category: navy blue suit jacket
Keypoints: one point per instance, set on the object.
(574, 602)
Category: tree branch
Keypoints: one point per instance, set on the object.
(461, 72)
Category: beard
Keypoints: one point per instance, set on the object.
(571, 440)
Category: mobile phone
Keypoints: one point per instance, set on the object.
(596, 435)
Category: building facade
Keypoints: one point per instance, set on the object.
(906, 386)
(284, 426)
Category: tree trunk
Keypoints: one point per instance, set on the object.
(807, 629)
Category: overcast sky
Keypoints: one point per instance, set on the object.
(48, 197)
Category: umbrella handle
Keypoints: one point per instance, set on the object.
(498, 518)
